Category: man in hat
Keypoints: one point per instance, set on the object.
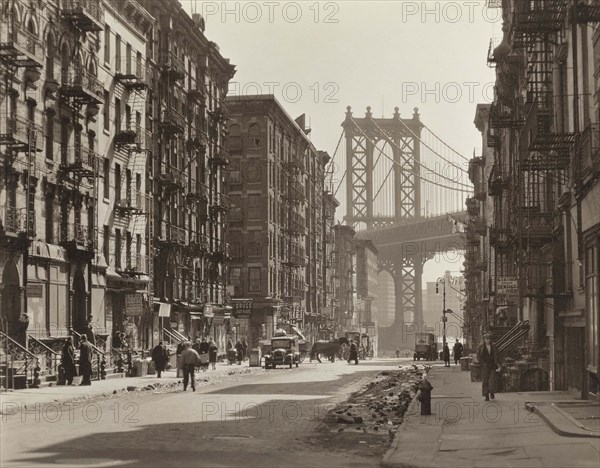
(487, 355)
(189, 360)
(86, 354)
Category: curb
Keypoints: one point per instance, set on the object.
(122, 390)
(580, 430)
(394, 446)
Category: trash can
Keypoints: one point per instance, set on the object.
(464, 363)
(475, 368)
(254, 357)
(140, 369)
(151, 368)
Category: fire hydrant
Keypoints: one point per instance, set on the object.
(425, 397)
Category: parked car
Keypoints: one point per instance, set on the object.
(284, 352)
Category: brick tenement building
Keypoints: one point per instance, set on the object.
(111, 193)
(537, 193)
(276, 187)
(345, 279)
(49, 178)
(186, 116)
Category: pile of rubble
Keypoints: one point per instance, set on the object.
(381, 404)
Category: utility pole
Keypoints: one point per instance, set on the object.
(444, 319)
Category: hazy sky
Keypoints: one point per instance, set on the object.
(319, 57)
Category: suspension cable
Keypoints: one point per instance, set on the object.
(419, 140)
(446, 144)
(468, 189)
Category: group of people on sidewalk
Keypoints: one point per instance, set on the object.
(457, 351)
(69, 367)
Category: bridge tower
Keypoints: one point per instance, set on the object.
(406, 265)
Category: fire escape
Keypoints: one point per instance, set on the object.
(294, 231)
(79, 87)
(135, 206)
(20, 137)
(544, 152)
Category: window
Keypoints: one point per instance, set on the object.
(117, 114)
(50, 219)
(117, 182)
(254, 135)
(117, 248)
(50, 57)
(64, 140)
(235, 279)
(128, 242)
(592, 296)
(50, 135)
(106, 178)
(254, 279)
(106, 110)
(106, 44)
(118, 53)
(254, 208)
(106, 243)
(128, 61)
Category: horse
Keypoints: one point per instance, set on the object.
(328, 348)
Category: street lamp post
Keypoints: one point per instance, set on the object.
(443, 281)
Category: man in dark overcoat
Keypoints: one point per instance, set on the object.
(86, 354)
(487, 355)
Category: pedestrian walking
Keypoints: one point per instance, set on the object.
(67, 360)
(189, 361)
(196, 347)
(245, 348)
(457, 349)
(180, 348)
(446, 354)
(204, 348)
(212, 354)
(239, 352)
(86, 354)
(160, 356)
(353, 353)
(397, 352)
(487, 356)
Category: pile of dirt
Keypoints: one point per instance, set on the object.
(380, 405)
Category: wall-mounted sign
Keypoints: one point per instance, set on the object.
(242, 308)
(34, 290)
(133, 304)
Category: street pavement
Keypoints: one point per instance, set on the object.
(464, 431)
(269, 418)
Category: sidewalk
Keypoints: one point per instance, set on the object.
(9, 400)
(464, 431)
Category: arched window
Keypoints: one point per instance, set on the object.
(64, 63)
(50, 56)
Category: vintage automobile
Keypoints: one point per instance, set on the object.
(425, 347)
(284, 352)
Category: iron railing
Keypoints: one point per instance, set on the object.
(51, 359)
(16, 41)
(13, 219)
(77, 82)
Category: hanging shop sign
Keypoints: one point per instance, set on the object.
(242, 308)
(134, 304)
(208, 311)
